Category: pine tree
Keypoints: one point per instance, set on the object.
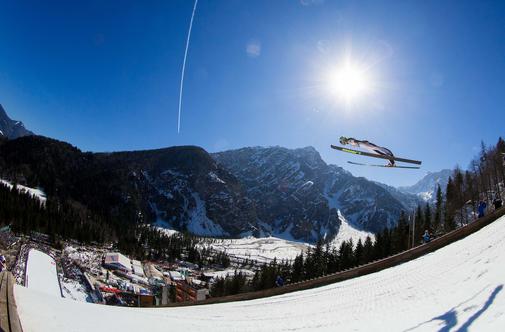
(377, 247)
(471, 191)
(345, 254)
(459, 194)
(358, 253)
(427, 218)
(449, 223)
(319, 264)
(368, 250)
(333, 263)
(500, 159)
(218, 288)
(438, 210)
(419, 223)
(400, 234)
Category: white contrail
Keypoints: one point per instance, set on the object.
(184, 67)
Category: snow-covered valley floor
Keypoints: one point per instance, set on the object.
(262, 250)
(457, 288)
(265, 249)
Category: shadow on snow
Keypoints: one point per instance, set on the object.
(450, 317)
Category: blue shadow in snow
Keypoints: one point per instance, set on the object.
(450, 317)
(476, 315)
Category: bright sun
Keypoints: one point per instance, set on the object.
(348, 82)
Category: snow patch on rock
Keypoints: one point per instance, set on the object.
(200, 224)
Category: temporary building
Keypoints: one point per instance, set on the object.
(115, 260)
(137, 268)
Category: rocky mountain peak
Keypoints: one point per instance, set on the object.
(297, 194)
(11, 129)
(426, 188)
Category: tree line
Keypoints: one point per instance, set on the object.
(482, 181)
(66, 220)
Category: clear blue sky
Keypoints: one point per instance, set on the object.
(104, 75)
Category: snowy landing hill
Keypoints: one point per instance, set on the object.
(456, 288)
(426, 188)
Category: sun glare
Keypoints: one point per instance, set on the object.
(348, 82)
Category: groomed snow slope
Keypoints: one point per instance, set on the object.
(457, 288)
(41, 274)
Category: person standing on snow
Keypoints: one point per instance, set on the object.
(426, 236)
(370, 147)
(482, 208)
(279, 281)
(497, 202)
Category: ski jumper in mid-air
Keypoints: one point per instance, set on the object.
(370, 147)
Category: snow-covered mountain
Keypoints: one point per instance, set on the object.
(185, 189)
(180, 186)
(289, 194)
(298, 195)
(426, 188)
(11, 129)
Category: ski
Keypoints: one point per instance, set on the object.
(368, 154)
(386, 166)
